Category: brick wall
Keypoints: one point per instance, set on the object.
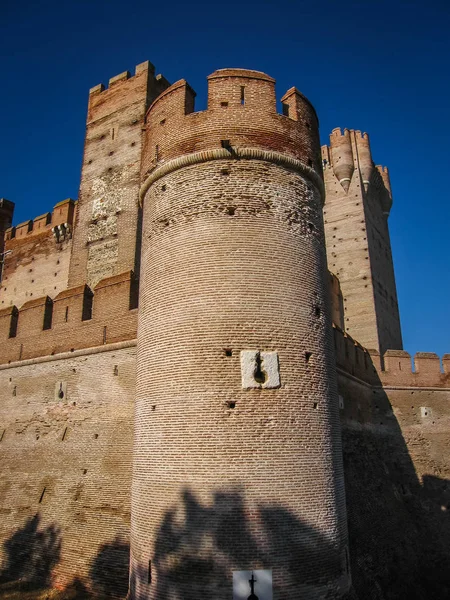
(395, 429)
(75, 319)
(66, 430)
(37, 256)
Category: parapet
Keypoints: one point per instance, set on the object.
(394, 368)
(241, 114)
(59, 223)
(75, 319)
(349, 156)
(123, 89)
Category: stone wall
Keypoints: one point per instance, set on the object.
(66, 434)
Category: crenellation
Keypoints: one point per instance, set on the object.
(120, 77)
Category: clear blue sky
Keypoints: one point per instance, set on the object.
(382, 67)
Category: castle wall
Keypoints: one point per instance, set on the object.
(73, 320)
(66, 434)
(396, 438)
(37, 256)
(107, 236)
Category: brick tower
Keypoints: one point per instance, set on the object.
(358, 201)
(237, 459)
(107, 233)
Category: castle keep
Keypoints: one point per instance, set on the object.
(203, 386)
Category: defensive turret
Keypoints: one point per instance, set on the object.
(342, 156)
(236, 390)
(364, 157)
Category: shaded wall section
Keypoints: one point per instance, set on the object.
(66, 449)
(396, 442)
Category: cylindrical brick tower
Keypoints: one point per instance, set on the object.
(237, 460)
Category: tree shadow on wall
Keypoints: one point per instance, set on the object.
(31, 553)
(195, 555)
(109, 570)
(399, 527)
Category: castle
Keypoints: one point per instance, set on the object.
(202, 371)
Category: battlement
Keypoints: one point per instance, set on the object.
(145, 67)
(125, 89)
(59, 222)
(392, 369)
(241, 114)
(76, 318)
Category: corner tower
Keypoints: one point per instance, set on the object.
(357, 205)
(237, 458)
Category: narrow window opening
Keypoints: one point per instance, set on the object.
(153, 406)
(224, 172)
(156, 152)
(163, 188)
(84, 471)
(149, 572)
(48, 314)
(310, 162)
(224, 104)
(60, 391)
(66, 316)
(113, 133)
(86, 313)
(13, 323)
(311, 227)
(285, 108)
(42, 496)
(231, 211)
(307, 356)
(231, 403)
(315, 405)
(64, 434)
(317, 311)
(399, 366)
(116, 370)
(228, 352)
(14, 392)
(104, 334)
(95, 436)
(242, 95)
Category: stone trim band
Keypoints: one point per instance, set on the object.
(221, 153)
